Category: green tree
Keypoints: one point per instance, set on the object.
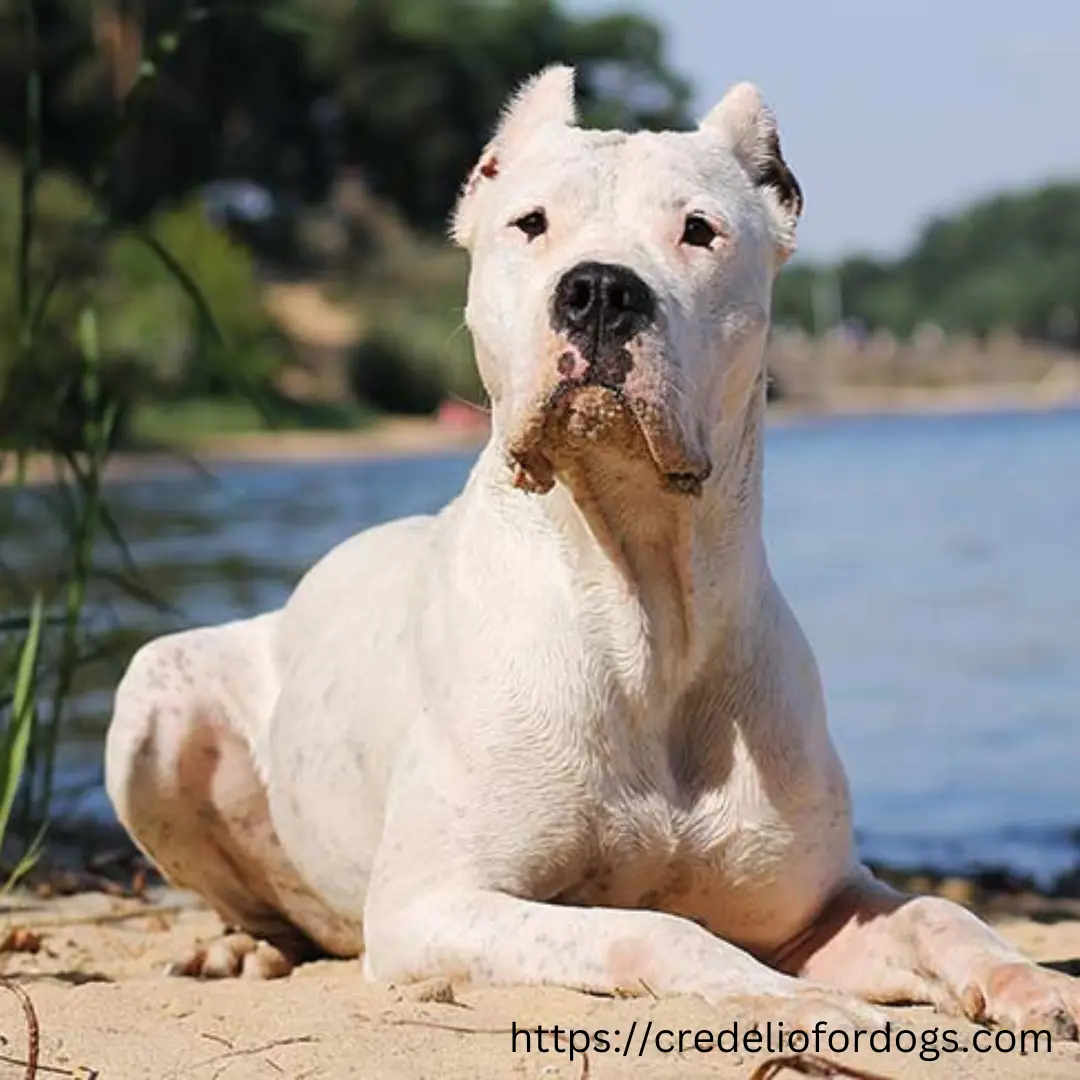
(283, 92)
(419, 83)
(1011, 261)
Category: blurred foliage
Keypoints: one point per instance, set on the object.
(1008, 262)
(154, 338)
(147, 100)
(19, 693)
(417, 350)
(225, 127)
(419, 84)
(175, 119)
(180, 423)
(66, 375)
(163, 326)
(284, 92)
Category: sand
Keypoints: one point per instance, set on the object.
(399, 436)
(106, 1010)
(394, 437)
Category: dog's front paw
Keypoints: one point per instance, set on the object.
(1025, 996)
(233, 956)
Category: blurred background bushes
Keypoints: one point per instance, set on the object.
(299, 159)
(1009, 262)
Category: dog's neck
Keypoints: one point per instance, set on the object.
(677, 571)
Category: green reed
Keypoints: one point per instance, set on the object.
(47, 640)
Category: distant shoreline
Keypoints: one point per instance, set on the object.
(398, 437)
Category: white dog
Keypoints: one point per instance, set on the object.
(567, 731)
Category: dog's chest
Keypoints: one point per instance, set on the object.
(752, 865)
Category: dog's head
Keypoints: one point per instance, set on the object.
(620, 285)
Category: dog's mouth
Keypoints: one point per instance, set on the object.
(590, 412)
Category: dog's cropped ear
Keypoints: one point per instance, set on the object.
(545, 100)
(746, 124)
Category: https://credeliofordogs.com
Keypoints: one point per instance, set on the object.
(773, 1038)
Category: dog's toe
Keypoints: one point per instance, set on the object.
(233, 956)
(266, 961)
(1026, 997)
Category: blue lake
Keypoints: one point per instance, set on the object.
(934, 563)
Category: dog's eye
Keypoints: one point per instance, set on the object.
(697, 232)
(533, 224)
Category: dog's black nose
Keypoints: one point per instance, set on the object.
(602, 306)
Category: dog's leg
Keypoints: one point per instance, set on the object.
(887, 947)
(180, 769)
(494, 938)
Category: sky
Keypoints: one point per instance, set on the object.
(891, 111)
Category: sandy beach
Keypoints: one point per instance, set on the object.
(392, 437)
(401, 436)
(106, 1010)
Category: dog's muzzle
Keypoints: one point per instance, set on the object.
(599, 308)
(602, 315)
(582, 414)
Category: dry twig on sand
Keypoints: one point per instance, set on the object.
(811, 1065)
(250, 1051)
(103, 918)
(33, 1031)
(33, 1043)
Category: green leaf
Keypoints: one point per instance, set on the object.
(27, 861)
(89, 339)
(15, 740)
(186, 282)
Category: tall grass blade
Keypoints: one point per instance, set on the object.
(15, 740)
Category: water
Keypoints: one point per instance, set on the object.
(934, 565)
(932, 562)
